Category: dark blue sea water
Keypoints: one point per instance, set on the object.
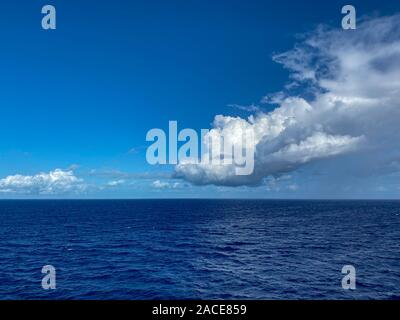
(199, 249)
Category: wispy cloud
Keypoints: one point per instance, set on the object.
(115, 183)
(118, 175)
(250, 108)
(158, 184)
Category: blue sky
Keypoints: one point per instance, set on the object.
(81, 98)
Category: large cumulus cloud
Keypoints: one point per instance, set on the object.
(343, 98)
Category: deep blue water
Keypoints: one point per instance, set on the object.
(199, 249)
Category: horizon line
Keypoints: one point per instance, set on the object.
(257, 199)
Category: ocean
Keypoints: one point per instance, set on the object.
(199, 249)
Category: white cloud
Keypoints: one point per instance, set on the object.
(352, 81)
(158, 184)
(54, 182)
(115, 183)
(293, 187)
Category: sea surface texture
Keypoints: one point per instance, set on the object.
(199, 249)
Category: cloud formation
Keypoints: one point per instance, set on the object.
(54, 182)
(158, 184)
(346, 100)
(115, 183)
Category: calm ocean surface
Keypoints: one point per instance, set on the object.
(199, 249)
